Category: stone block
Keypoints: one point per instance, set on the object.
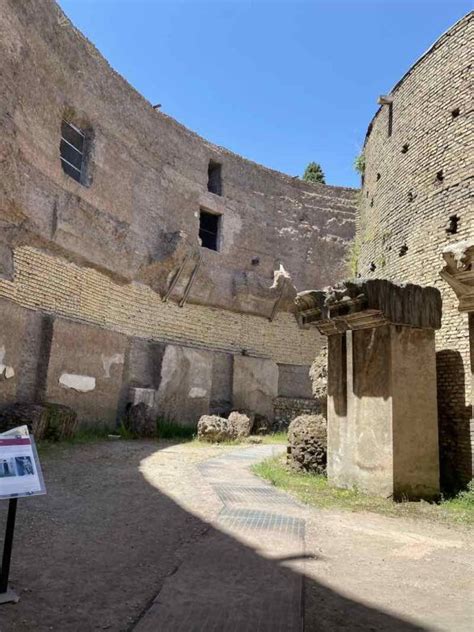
(140, 421)
(215, 429)
(255, 385)
(241, 424)
(307, 444)
(142, 396)
(185, 388)
(85, 370)
(294, 381)
(382, 417)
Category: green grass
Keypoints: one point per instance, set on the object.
(314, 490)
(164, 430)
(275, 437)
(83, 435)
(169, 430)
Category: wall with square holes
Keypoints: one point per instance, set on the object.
(415, 200)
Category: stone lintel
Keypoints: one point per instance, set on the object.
(369, 303)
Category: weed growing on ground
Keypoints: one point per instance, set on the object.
(277, 438)
(314, 490)
(169, 430)
(82, 436)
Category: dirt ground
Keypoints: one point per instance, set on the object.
(121, 518)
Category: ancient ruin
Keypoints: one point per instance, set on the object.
(247, 371)
(382, 417)
(130, 270)
(132, 277)
(414, 203)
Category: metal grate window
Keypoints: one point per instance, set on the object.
(71, 150)
(209, 230)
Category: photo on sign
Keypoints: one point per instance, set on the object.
(24, 466)
(20, 469)
(7, 468)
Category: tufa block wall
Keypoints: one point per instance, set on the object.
(415, 199)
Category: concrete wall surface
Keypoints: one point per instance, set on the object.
(12, 331)
(415, 414)
(294, 381)
(145, 179)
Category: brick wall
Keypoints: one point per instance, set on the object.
(53, 285)
(415, 180)
(146, 179)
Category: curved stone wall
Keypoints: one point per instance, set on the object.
(415, 200)
(146, 179)
(87, 268)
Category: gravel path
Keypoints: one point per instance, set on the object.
(223, 584)
(146, 536)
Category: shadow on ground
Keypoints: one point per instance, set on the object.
(94, 553)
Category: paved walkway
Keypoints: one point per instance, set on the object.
(238, 576)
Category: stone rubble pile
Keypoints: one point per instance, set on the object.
(216, 429)
(45, 421)
(307, 444)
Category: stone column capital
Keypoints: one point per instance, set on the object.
(459, 272)
(369, 303)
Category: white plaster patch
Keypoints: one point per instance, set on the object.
(81, 383)
(5, 371)
(197, 392)
(108, 361)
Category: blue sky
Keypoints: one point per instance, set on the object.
(280, 82)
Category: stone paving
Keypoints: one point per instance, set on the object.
(241, 575)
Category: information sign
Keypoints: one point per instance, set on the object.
(20, 470)
(20, 475)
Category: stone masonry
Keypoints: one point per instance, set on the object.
(381, 411)
(103, 277)
(415, 201)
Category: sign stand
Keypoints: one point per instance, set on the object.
(20, 476)
(7, 595)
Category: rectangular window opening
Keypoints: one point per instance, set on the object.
(214, 182)
(71, 150)
(209, 225)
(390, 119)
